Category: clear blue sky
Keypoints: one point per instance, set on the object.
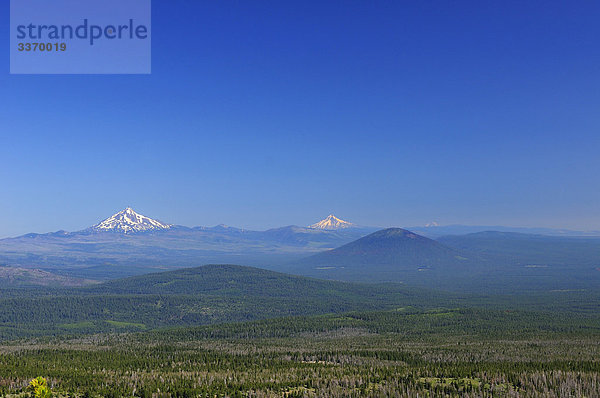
(261, 114)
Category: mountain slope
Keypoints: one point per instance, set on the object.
(331, 222)
(128, 221)
(389, 255)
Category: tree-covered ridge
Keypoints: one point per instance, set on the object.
(194, 296)
(224, 279)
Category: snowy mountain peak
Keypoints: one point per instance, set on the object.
(332, 222)
(128, 221)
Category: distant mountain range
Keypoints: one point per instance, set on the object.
(128, 221)
(129, 243)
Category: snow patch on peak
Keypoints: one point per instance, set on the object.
(332, 222)
(128, 221)
(432, 224)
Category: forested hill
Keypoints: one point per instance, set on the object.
(232, 280)
(242, 281)
(392, 254)
(195, 296)
(482, 263)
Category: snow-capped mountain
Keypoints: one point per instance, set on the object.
(332, 222)
(128, 221)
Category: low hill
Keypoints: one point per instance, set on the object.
(389, 255)
(240, 281)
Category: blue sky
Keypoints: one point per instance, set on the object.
(262, 114)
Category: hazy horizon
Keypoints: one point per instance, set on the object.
(306, 224)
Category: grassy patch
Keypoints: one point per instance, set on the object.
(127, 325)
